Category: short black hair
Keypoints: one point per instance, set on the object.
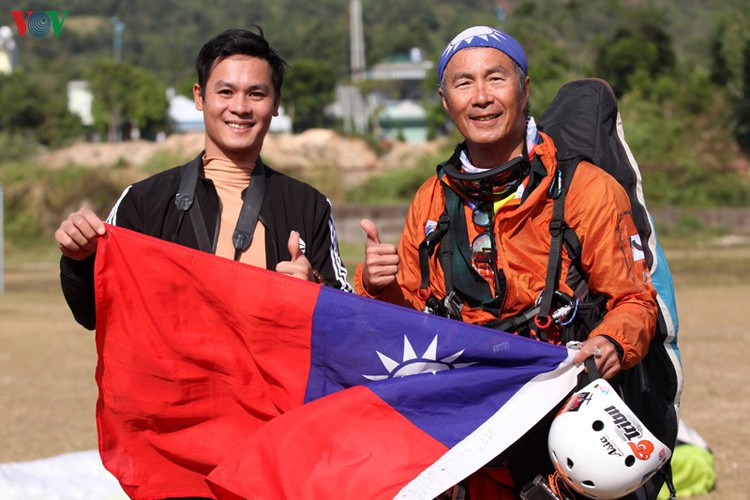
(243, 42)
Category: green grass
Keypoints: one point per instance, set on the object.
(713, 266)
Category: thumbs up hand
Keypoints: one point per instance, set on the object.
(381, 260)
(298, 266)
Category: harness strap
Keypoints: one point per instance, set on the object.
(184, 200)
(512, 323)
(445, 253)
(427, 248)
(565, 171)
(252, 199)
(572, 244)
(199, 226)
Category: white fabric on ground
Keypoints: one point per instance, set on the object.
(71, 476)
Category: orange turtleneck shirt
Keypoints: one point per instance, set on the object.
(230, 179)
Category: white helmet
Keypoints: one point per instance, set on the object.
(600, 448)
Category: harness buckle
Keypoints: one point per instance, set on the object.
(555, 227)
(450, 307)
(183, 201)
(563, 315)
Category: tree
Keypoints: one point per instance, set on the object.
(35, 113)
(730, 65)
(124, 93)
(742, 105)
(640, 49)
(308, 88)
(21, 103)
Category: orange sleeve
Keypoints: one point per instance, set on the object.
(604, 224)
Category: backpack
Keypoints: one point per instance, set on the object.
(584, 122)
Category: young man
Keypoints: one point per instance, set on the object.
(496, 193)
(225, 201)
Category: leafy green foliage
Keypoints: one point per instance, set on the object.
(682, 68)
(30, 113)
(132, 93)
(165, 36)
(730, 64)
(308, 88)
(37, 198)
(695, 187)
(640, 49)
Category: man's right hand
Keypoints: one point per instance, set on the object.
(381, 260)
(77, 235)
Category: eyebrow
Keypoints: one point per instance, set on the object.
(256, 86)
(492, 69)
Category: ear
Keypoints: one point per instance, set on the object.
(277, 104)
(526, 90)
(197, 97)
(443, 98)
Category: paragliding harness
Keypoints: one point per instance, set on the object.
(583, 121)
(555, 314)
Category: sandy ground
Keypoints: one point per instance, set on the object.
(48, 394)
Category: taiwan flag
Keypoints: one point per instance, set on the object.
(221, 380)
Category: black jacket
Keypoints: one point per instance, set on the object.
(148, 207)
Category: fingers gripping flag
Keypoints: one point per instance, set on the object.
(222, 380)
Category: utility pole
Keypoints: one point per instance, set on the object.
(2, 243)
(115, 134)
(357, 47)
(357, 62)
(119, 27)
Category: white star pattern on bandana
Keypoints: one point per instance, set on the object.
(467, 36)
(483, 36)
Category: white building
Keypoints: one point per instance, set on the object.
(7, 50)
(80, 100)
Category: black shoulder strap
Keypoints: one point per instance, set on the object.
(558, 190)
(184, 200)
(427, 248)
(252, 200)
(445, 254)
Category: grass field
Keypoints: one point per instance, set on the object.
(47, 361)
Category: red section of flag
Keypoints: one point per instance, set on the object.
(377, 452)
(190, 367)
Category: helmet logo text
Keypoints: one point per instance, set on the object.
(611, 449)
(623, 423)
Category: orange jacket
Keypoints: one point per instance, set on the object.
(596, 207)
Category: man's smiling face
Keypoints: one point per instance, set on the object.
(483, 95)
(238, 103)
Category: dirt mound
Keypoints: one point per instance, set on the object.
(135, 153)
(352, 157)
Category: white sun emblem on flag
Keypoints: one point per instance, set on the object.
(411, 364)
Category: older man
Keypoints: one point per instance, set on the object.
(477, 242)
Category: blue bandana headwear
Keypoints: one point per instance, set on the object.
(483, 36)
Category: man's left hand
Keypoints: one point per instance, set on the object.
(604, 353)
(298, 266)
